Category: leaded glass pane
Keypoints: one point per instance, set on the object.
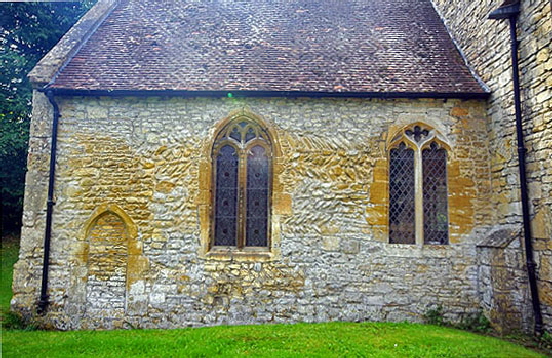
(402, 218)
(250, 134)
(236, 134)
(434, 166)
(257, 197)
(226, 200)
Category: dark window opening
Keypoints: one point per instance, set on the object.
(401, 196)
(242, 176)
(434, 168)
(418, 194)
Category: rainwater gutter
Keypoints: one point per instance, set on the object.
(267, 94)
(43, 302)
(510, 10)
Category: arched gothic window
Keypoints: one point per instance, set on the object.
(242, 172)
(418, 209)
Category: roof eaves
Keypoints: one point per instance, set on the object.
(281, 94)
(49, 66)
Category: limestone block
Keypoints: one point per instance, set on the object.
(350, 246)
(331, 243)
(541, 224)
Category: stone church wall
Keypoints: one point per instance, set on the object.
(132, 215)
(486, 45)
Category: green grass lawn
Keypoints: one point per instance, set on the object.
(8, 256)
(299, 340)
(312, 340)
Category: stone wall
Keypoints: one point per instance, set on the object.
(129, 225)
(501, 274)
(486, 46)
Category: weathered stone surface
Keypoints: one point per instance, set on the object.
(130, 189)
(486, 46)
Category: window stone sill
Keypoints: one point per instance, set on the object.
(240, 255)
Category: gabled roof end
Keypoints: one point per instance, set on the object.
(47, 68)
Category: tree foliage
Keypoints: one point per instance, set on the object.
(27, 32)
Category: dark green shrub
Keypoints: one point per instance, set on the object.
(434, 316)
(477, 322)
(546, 340)
(14, 321)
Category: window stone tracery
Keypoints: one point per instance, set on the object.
(418, 204)
(242, 172)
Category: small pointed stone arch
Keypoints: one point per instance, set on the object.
(110, 235)
(131, 227)
(244, 114)
(417, 135)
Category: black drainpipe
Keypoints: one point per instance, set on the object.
(43, 302)
(510, 10)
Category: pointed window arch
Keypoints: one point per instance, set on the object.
(418, 194)
(242, 173)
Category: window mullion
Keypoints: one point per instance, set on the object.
(242, 188)
(419, 197)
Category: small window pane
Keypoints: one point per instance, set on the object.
(236, 134)
(435, 195)
(257, 197)
(401, 196)
(226, 201)
(250, 134)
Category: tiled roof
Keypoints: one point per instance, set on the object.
(271, 45)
